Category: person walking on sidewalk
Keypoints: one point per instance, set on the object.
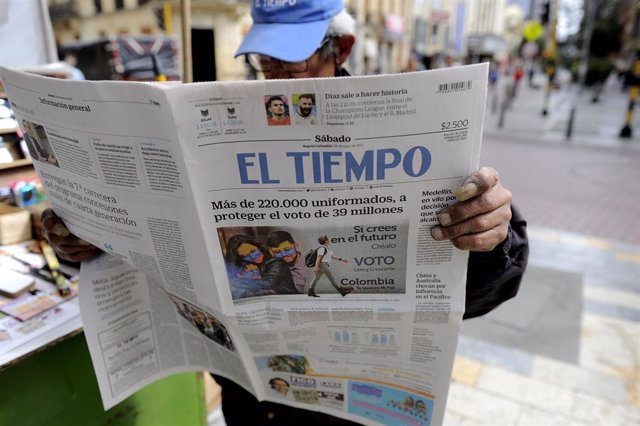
(324, 256)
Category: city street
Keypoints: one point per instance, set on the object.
(587, 185)
(566, 350)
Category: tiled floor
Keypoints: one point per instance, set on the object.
(497, 384)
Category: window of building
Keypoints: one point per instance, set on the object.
(119, 4)
(98, 5)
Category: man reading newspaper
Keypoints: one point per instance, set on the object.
(307, 39)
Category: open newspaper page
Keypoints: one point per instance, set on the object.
(356, 170)
(258, 178)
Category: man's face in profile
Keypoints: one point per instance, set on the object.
(277, 108)
(305, 106)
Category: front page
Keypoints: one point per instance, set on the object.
(233, 187)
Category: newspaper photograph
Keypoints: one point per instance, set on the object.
(276, 233)
(365, 268)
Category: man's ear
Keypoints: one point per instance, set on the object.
(344, 44)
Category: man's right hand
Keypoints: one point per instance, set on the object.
(66, 245)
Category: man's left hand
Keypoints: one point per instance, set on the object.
(480, 219)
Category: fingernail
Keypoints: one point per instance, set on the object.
(436, 233)
(60, 230)
(467, 191)
(444, 218)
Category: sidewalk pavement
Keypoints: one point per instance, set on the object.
(596, 124)
(565, 351)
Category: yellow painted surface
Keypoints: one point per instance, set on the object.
(466, 371)
(633, 257)
(574, 240)
(631, 375)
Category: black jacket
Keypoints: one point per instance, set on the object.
(495, 276)
(277, 273)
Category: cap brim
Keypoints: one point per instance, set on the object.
(287, 42)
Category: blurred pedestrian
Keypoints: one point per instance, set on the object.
(518, 74)
(493, 74)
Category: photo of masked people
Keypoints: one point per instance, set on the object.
(282, 246)
(253, 271)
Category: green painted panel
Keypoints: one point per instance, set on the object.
(58, 387)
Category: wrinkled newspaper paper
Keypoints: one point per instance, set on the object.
(208, 197)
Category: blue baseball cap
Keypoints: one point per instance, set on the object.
(289, 30)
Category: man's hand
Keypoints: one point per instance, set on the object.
(480, 219)
(66, 245)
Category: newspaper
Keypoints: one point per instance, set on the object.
(207, 198)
